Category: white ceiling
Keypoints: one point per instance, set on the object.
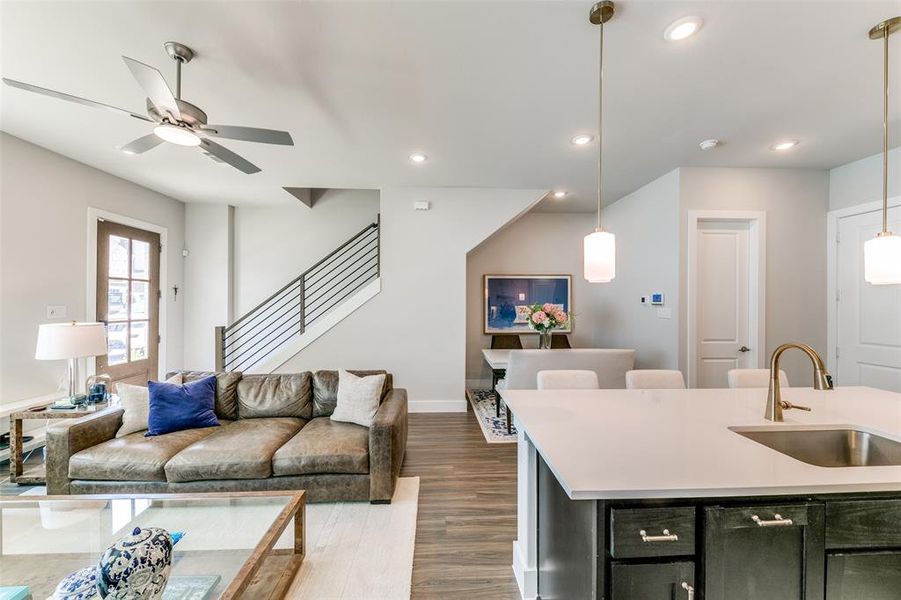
(490, 91)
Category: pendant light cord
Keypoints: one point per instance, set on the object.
(600, 121)
(886, 34)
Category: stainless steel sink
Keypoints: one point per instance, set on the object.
(828, 447)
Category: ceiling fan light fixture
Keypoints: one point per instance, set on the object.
(177, 135)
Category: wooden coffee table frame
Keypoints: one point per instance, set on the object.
(295, 508)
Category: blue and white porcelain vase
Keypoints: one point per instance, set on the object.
(80, 585)
(137, 566)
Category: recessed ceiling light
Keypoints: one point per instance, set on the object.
(709, 144)
(418, 158)
(177, 135)
(582, 139)
(683, 28)
(784, 145)
(559, 194)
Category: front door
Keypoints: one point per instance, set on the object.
(723, 298)
(869, 316)
(128, 293)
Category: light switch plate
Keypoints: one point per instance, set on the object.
(664, 313)
(57, 311)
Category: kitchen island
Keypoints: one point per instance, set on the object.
(645, 494)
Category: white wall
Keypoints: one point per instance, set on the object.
(647, 260)
(796, 202)
(536, 243)
(273, 245)
(416, 327)
(860, 181)
(44, 200)
(208, 286)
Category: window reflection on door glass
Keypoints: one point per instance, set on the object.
(140, 259)
(118, 256)
(117, 343)
(140, 299)
(117, 300)
(139, 340)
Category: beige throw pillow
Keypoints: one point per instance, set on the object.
(135, 399)
(358, 398)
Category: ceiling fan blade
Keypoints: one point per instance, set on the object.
(250, 134)
(155, 86)
(142, 144)
(230, 157)
(61, 96)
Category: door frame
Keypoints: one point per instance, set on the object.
(832, 219)
(756, 279)
(96, 214)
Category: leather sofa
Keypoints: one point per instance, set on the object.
(275, 434)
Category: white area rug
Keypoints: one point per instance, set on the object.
(357, 550)
(493, 428)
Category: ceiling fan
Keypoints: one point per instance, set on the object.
(177, 121)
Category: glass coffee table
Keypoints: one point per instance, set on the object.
(247, 544)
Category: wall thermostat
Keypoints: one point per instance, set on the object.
(657, 298)
(421, 205)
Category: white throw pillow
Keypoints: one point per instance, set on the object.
(135, 399)
(358, 398)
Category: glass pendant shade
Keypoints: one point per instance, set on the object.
(882, 260)
(600, 257)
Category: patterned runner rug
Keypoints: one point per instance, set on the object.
(493, 428)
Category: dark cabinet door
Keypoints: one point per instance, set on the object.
(772, 552)
(873, 576)
(665, 581)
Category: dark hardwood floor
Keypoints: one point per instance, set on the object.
(467, 509)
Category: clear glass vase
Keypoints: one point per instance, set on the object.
(544, 340)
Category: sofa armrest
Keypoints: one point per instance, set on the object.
(387, 445)
(65, 438)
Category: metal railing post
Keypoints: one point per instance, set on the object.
(220, 348)
(303, 302)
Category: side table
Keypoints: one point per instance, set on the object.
(37, 475)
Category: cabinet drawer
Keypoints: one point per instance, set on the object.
(863, 524)
(660, 581)
(666, 532)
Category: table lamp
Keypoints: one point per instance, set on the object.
(70, 341)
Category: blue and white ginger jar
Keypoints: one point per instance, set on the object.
(137, 566)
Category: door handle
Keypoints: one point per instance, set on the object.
(689, 589)
(744, 349)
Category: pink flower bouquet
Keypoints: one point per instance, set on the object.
(547, 317)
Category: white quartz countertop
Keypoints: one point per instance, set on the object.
(636, 444)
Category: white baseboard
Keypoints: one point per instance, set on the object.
(526, 578)
(436, 406)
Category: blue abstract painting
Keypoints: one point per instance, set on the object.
(507, 297)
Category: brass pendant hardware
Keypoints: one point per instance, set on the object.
(601, 12)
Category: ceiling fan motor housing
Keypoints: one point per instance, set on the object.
(191, 115)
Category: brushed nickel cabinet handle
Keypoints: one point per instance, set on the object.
(689, 589)
(777, 521)
(666, 537)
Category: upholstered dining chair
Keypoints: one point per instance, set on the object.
(506, 341)
(575, 379)
(560, 341)
(754, 378)
(654, 379)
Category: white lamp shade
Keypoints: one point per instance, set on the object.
(57, 341)
(882, 260)
(599, 262)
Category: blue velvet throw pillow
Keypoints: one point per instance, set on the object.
(176, 407)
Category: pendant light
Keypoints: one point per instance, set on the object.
(599, 247)
(882, 254)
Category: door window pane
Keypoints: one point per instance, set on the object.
(118, 256)
(117, 300)
(140, 259)
(117, 343)
(140, 299)
(139, 340)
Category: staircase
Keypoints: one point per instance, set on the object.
(304, 308)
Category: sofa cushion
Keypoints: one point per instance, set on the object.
(132, 457)
(239, 449)
(177, 407)
(275, 396)
(324, 446)
(325, 390)
(226, 390)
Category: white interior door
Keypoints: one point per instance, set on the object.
(722, 304)
(868, 316)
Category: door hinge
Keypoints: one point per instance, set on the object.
(838, 295)
(838, 237)
(159, 294)
(159, 338)
(837, 352)
(161, 247)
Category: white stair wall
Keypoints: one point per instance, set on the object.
(294, 345)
